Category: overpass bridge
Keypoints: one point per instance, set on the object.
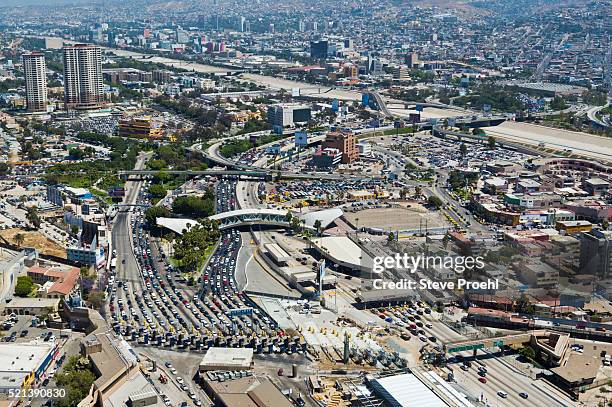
(380, 103)
(250, 217)
(472, 121)
(257, 216)
(551, 343)
(212, 153)
(127, 206)
(255, 173)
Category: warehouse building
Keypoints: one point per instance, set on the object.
(405, 390)
(227, 359)
(24, 363)
(248, 391)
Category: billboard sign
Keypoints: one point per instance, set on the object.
(301, 139)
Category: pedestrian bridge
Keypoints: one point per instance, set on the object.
(249, 217)
(257, 216)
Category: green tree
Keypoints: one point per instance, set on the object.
(24, 286)
(463, 149)
(435, 201)
(198, 207)
(594, 97)
(317, 226)
(96, 299)
(76, 154)
(32, 217)
(161, 177)
(478, 132)
(157, 191)
(390, 237)
(295, 224)
(155, 212)
(491, 142)
(190, 248)
(76, 377)
(527, 353)
(19, 238)
(558, 103)
(523, 305)
(157, 164)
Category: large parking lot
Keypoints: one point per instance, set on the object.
(445, 153)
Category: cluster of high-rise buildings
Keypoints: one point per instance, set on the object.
(83, 86)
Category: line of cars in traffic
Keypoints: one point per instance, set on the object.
(482, 373)
(159, 309)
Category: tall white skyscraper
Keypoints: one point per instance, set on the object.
(35, 70)
(83, 88)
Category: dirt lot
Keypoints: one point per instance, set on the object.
(36, 240)
(397, 218)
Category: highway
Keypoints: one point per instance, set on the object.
(585, 144)
(588, 145)
(501, 375)
(592, 116)
(454, 208)
(122, 234)
(263, 174)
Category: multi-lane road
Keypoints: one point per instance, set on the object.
(503, 373)
(588, 145)
(121, 231)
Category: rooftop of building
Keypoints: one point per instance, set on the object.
(406, 390)
(19, 302)
(238, 357)
(22, 357)
(64, 279)
(249, 392)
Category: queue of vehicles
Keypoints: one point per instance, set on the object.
(161, 309)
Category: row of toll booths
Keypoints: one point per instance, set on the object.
(260, 345)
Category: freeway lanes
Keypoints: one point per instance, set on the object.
(592, 115)
(504, 375)
(501, 377)
(589, 145)
(307, 89)
(197, 67)
(122, 234)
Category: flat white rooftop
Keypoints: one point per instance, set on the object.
(177, 225)
(228, 358)
(343, 250)
(406, 390)
(23, 357)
